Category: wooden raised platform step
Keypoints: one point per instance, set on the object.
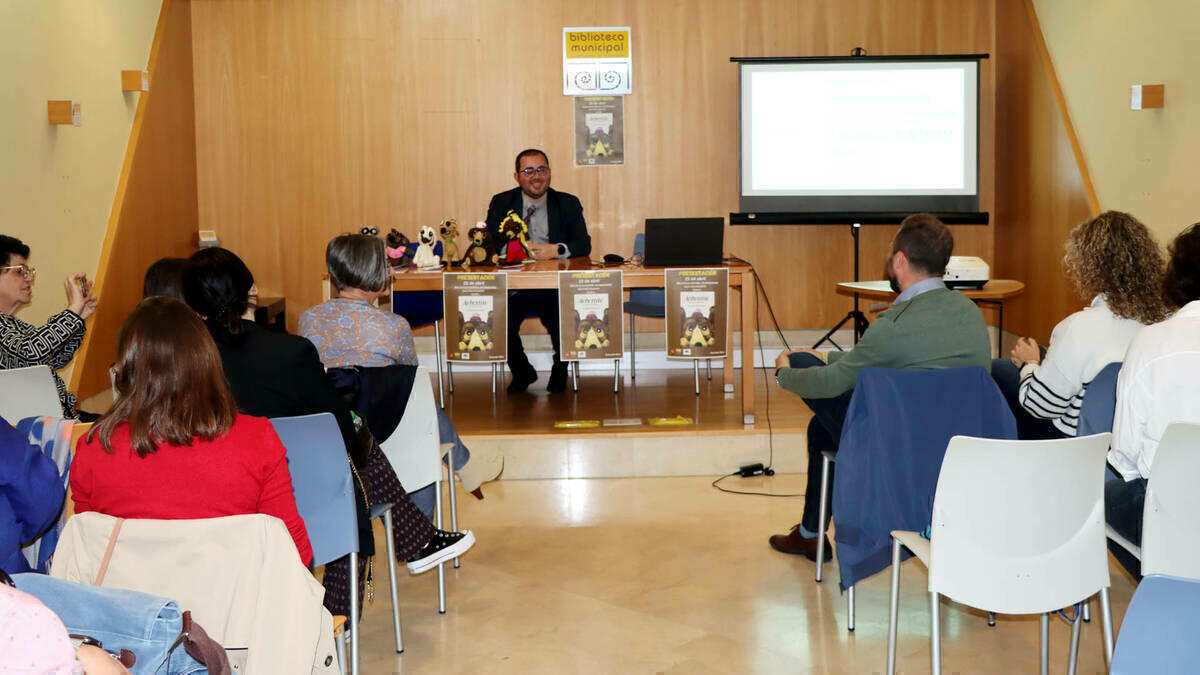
(522, 426)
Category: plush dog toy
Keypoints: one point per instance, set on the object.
(398, 252)
(479, 250)
(514, 249)
(698, 329)
(591, 332)
(449, 231)
(475, 334)
(425, 258)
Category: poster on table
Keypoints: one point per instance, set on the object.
(597, 61)
(599, 130)
(476, 306)
(590, 316)
(697, 312)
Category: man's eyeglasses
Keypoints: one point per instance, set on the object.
(25, 270)
(529, 171)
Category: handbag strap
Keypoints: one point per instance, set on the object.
(112, 543)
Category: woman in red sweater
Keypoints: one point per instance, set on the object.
(174, 446)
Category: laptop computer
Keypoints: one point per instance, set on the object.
(684, 241)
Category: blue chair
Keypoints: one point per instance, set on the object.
(650, 302)
(1158, 634)
(324, 492)
(895, 435)
(1100, 402)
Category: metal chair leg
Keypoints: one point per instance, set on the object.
(632, 349)
(437, 355)
(1106, 621)
(453, 504)
(992, 619)
(696, 373)
(1085, 610)
(708, 367)
(1044, 641)
(935, 634)
(850, 609)
(821, 517)
(389, 534)
(1073, 657)
(493, 381)
(575, 375)
(340, 645)
(450, 376)
(616, 376)
(893, 608)
(352, 620)
(437, 513)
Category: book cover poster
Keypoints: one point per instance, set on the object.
(599, 131)
(590, 316)
(697, 322)
(476, 306)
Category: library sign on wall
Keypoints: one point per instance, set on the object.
(597, 61)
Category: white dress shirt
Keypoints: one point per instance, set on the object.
(1159, 384)
(1080, 346)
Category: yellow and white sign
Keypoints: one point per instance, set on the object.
(597, 60)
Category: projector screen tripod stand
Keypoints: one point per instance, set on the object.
(855, 315)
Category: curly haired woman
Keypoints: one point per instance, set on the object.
(1117, 264)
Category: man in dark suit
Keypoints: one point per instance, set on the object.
(556, 230)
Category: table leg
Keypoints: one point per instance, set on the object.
(749, 327)
(727, 366)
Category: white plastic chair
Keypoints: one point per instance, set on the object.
(1158, 632)
(415, 454)
(28, 392)
(1018, 528)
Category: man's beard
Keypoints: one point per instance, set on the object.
(891, 275)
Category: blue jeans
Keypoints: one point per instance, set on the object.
(424, 498)
(120, 619)
(1123, 506)
(1029, 428)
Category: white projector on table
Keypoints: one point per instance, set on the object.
(966, 271)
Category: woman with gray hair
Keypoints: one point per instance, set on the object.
(350, 331)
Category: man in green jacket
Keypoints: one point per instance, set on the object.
(928, 326)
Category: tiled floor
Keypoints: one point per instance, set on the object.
(668, 575)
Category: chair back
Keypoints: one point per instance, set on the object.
(322, 484)
(1100, 402)
(895, 434)
(413, 449)
(419, 308)
(28, 392)
(1018, 526)
(645, 301)
(1171, 519)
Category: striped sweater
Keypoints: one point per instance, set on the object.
(1080, 346)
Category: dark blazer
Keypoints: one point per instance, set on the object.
(564, 212)
(280, 375)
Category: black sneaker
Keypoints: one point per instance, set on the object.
(521, 380)
(442, 546)
(558, 378)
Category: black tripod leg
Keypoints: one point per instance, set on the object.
(828, 337)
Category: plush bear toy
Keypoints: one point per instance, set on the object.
(398, 251)
(513, 249)
(449, 231)
(479, 250)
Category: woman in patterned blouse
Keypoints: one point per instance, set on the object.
(54, 344)
(351, 331)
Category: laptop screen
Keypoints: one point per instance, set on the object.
(684, 241)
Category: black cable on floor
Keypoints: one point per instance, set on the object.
(767, 470)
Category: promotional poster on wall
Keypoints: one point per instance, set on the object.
(697, 312)
(476, 310)
(599, 130)
(590, 315)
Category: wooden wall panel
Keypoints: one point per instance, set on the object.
(1042, 190)
(313, 117)
(154, 212)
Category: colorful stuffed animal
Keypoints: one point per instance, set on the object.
(398, 251)
(514, 248)
(449, 231)
(425, 258)
(479, 250)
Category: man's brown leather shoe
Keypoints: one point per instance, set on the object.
(795, 543)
